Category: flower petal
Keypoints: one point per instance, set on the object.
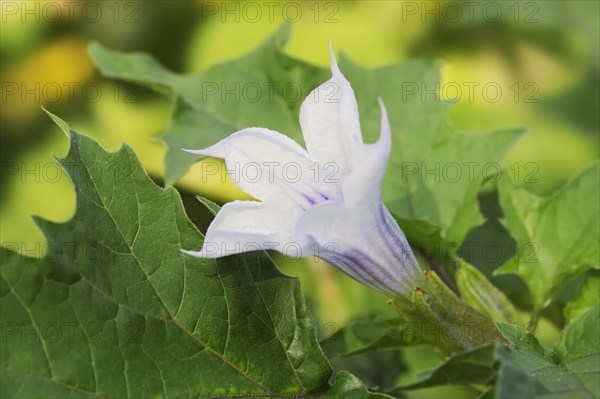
(329, 120)
(243, 226)
(271, 167)
(361, 246)
(362, 187)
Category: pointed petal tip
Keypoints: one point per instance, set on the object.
(200, 152)
(384, 114)
(331, 53)
(386, 130)
(334, 66)
(195, 254)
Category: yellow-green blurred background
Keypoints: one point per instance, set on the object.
(546, 49)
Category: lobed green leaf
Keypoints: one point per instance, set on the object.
(116, 310)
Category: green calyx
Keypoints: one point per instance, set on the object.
(436, 316)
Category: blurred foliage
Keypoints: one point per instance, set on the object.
(546, 49)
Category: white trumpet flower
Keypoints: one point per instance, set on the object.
(323, 201)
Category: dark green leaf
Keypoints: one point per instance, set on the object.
(470, 367)
(571, 370)
(348, 386)
(369, 335)
(588, 296)
(116, 310)
(208, 204)
(558, 236)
